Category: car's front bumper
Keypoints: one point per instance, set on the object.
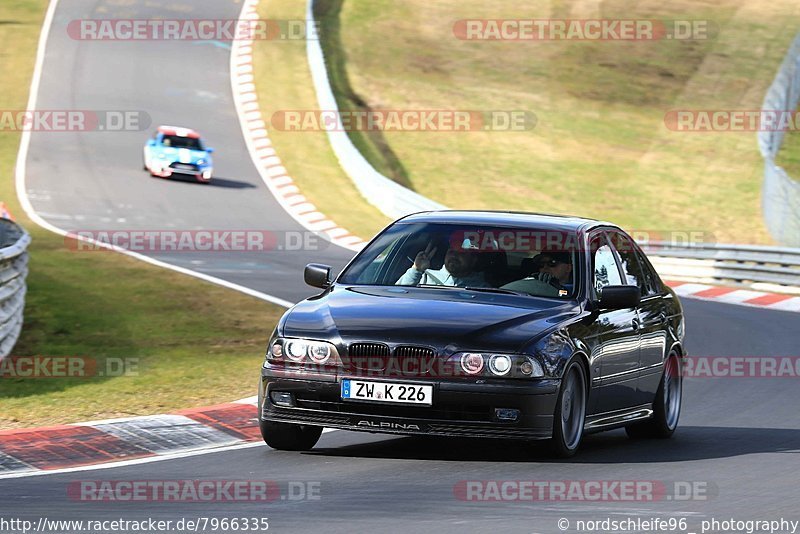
(460, 407)
(167, 169)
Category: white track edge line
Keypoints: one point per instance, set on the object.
(22, 193)
(250, 143)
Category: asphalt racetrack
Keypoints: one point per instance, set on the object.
(738, 442)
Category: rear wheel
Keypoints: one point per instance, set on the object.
(667, 404)
(570, 415)
(290, 437)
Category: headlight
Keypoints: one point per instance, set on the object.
(491, 365)
(472, 363)
(500, 364)
(302, 352)
(296, 350)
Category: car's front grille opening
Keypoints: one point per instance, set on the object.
(378, 360)
(415, 361)
(184, 166)
(450, 412)
(368, 356)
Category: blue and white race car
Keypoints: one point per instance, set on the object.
(174, 150)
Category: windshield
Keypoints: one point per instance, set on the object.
(175, 141)
(526, 261)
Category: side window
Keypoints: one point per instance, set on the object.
(653, 281)
(604, 265)
(631, 266)
(379, 268)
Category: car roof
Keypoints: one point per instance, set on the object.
(178, 131)
(506, 218)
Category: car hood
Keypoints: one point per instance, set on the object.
(446, 319)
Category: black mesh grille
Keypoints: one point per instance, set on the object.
(413, 352)
(368, 356)
(415, 361)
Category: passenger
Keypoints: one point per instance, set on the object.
(459, 268)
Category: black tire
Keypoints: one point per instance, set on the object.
(570, 414)
(290, 437)
(666, 405)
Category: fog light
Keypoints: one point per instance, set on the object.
(506, 414)
(282, 398)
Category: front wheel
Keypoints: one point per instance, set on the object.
(570, 413)
(290, 437)
(667, 404)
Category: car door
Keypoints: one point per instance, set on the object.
(652, 315)
(615, 358)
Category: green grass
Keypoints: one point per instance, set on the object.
(284, 83)
(194, 343)
(788, 156)
(600, 148)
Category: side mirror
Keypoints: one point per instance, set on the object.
(209, 150)
(619, 297)
(151, 142)
(317, 275)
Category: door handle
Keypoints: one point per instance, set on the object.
(635, 324)
(662, 318)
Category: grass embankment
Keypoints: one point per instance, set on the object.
(788, 156)
(601, 147)
(284, 83)
(193, 343)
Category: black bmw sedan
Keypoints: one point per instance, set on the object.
(481, 324)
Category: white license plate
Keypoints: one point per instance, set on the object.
(387, 392)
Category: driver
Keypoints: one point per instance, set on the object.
(555, 268)
(459, 267)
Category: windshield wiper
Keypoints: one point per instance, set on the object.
(479, 289)
(496, 290)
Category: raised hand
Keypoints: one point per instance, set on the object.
(422, 261)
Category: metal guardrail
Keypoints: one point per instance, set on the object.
(780, 197)
(14, 242)
(747, 265)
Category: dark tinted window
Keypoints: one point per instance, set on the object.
(604, 265)
(531, 261)
(653, 281)
(632, 268)
(175, 141)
